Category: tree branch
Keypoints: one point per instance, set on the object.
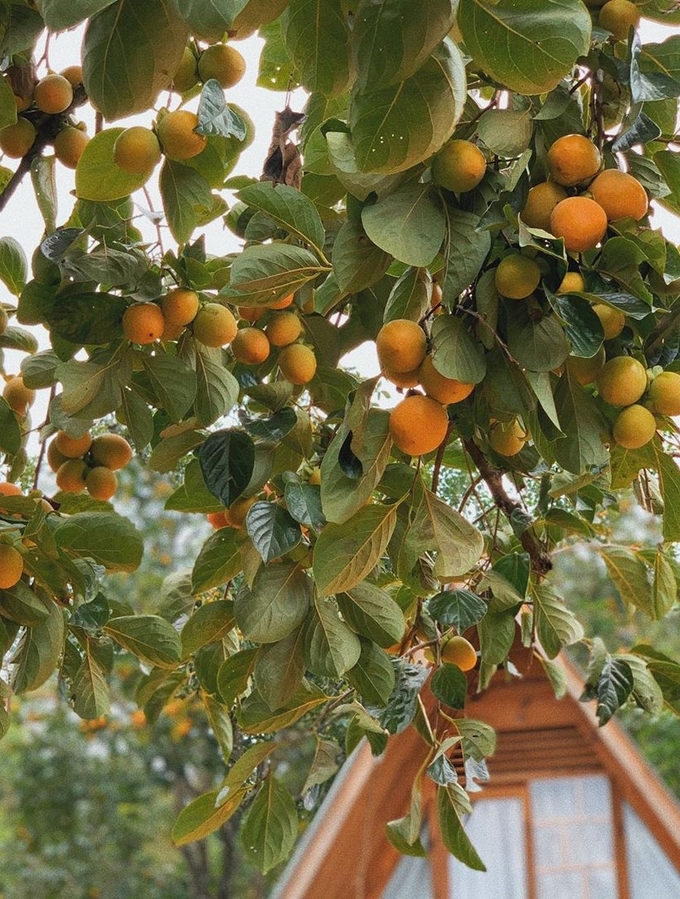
(493, 478)
(47, 127)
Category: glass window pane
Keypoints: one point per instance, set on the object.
(496, 829)
(602, 884)
(650, 872)
(573, 838)
(411, 877)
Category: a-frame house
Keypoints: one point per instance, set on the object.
(572, 811)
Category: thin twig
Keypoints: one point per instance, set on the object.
(43, 445)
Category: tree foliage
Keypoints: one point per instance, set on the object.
(342, 552)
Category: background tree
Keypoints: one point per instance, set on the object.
(485, 223)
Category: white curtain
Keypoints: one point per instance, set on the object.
(411, 879)
(496, 829)
(573, 838)
(651, 874)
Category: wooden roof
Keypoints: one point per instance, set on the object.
(344, 853)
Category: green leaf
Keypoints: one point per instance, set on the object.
(273, 531)
(438, 527)
(218, 561)
(621, 258)
(366, 431)
(210, 19)
(669, 481)
(227, 460)
(331, 648)
(220, 724)
(89, 688)
(528, 48)
(13, 265)
(149, 637)
(456, 353)
(646, 691)
(130, 53)
(324, 764)
(204, 816)
(457, 608)
(303, 501)
(14, 338)
(583, 425)
(409, 224)
(614, 686)
(393, 40)
(97, 175)
(264, 273)
(316, 33)
(581, 325)
(410, 296)
(8, 107)
(193, 495)
(289, 208)
(664, 587)
(38, 651)
(452, 802)
(357, 262)
(467, 249)
(257, 718)
(279, 668)
(44, 181)
(234, 674)
(105, 537)
(173, 382)
(343, 164)
(628, 573)
(186, 197)
(215, 117)
(86, 318)
(372, 613)
(396, 127)
(276, 603)
(506, 132)
(373, 675)
(556, 626)
(403, 702)
(346, 553)
(270, 826)
(404, 833)
(208, 624)
(168, 452)
(59, 17)
(20, 604)
(479, 738)
(138, 418)
(496, 636)
(537, 345)
(449, 685)
(10, 432)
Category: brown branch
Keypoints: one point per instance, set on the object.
(47, 128)
(493, 478)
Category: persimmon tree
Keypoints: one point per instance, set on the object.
(468, 186)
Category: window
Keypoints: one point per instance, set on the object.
(410, 878)
(497, 831)
(573, 838)
(650, 873)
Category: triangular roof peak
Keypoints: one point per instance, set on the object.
(344, 853)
